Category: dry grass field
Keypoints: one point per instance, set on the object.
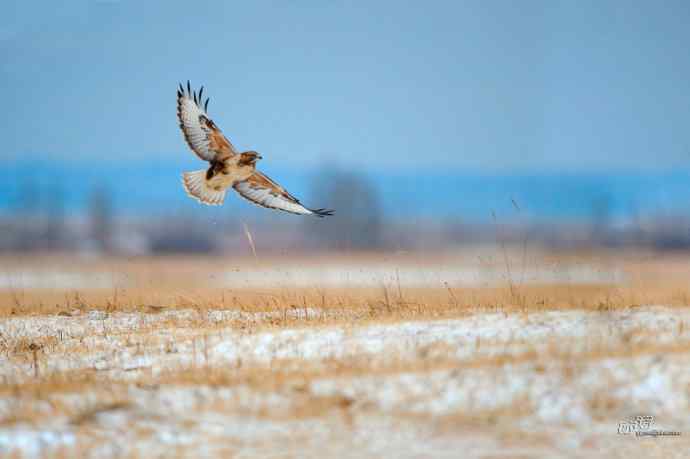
(478, 353)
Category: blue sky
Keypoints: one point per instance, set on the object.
(465, 85)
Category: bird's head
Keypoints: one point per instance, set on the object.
(249, 158)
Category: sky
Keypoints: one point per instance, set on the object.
(591, 86)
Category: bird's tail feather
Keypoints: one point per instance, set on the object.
(196, 186)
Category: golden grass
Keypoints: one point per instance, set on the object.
(154, 284)
(322, 306)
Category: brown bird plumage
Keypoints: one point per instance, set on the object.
(228, 168)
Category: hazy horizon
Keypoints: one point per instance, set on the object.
(146, 188)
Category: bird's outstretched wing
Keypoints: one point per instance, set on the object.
(200, 132)
(263, 191)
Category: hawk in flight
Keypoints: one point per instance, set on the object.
(228, 167)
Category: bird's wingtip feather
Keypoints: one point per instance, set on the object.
(323, 212)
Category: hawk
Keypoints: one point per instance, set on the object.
(228, 167)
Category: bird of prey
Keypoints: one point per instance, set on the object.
(228, 167)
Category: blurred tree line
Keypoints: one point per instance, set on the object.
(358, 219)
(38, 220)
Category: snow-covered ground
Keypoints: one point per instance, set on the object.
(196, 384)
(376, 274)
(324, 274)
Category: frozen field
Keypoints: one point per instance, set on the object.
(385, 356)
(326, 275)
(546, 384)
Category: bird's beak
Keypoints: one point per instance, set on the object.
(259, 157)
